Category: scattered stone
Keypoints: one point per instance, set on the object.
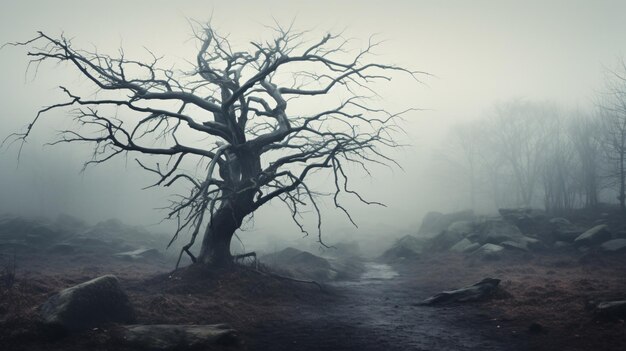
(526, 219)
(489, 251)
(62, 249)
(531, 243)
(407, 247)
(178, 337)
(495, 231)
(563, 230)
(614, 245)
(509, 244)
(559, 221)
(139, 254)
(561, 245)
(620, 234)
(344, 249)
(444, 240)
(523, 243)
(479, 291)
(593, 236)
(461, 246)
(435, 222)
(88, 305)
(471, 248)
(612, 309)
(301, 264)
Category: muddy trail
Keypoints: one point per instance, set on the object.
(378, 312)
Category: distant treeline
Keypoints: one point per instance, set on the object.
(535, 154)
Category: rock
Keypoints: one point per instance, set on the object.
(561, 245)
(495, 231)
(513, 245)
(435, 222)
(12, 247)
(62, 249)
(566, 235)
(139, 254)
(489, 251)
(614, 245)
(347, 268)
(33, 232)
(461, 246)
(559, 221)
(301, 264)
(479, 291)
(344, 249)
(620, 234)
(526, 219)
(462, 227)
(407, 247)
(444, 240)
(531, 243)
(523, 243)
(94, 303)
(178, 337)
(593, 236)
(430, 223)
(563, 230)
(471, 248)
(612, 309)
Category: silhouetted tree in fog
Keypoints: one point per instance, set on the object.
(233, 117)
(612, 114)
(519, 134)
(585, 138)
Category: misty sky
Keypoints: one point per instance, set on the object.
(479, 52)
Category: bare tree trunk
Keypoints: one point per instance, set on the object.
(215, 249)
(622, 178)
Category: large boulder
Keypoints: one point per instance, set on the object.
(407, 247)
(614, 245)
(344, 249)
(489, 252)
(27, 234)
(444, 240)
(479, 291)
(523, 243)
(495, 231)
(435, 222)
(178, 337)
(301, 264)
(593, 236)
(464, 245)
(563, 230)
(90, 304)
(450, 236)
(430, 223)
(526, 219)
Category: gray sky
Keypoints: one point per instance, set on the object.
(480, 52)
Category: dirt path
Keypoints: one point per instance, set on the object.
(378, 313)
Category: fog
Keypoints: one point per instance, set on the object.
(479, 53)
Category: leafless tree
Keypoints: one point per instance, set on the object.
(560, 169)
(612, 112)
(255, 145)
(519, 133)
(586, 139)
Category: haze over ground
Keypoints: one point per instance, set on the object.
(479, 52)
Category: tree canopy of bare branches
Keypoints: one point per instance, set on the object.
(253, 148)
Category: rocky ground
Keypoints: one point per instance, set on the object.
(551, 284)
